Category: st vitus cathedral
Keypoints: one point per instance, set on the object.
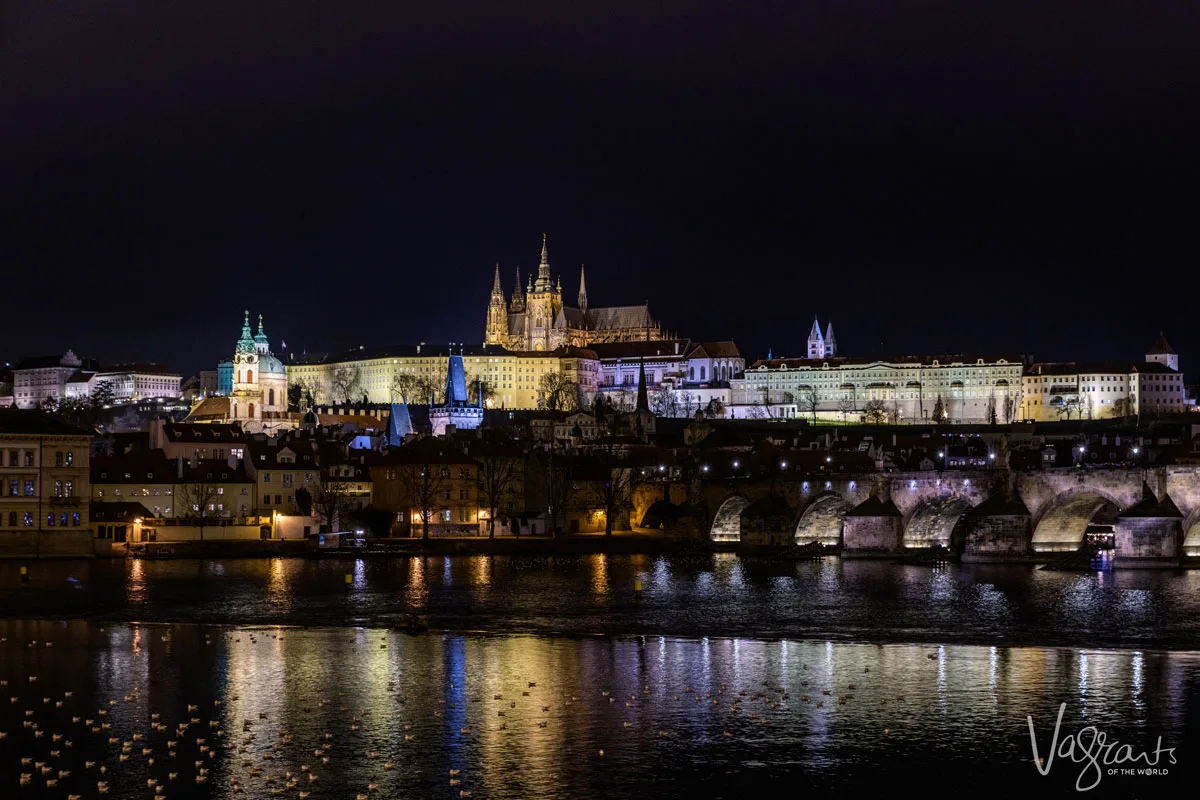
(536, 319)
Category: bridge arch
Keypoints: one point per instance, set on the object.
(1191, 534)
(822, 520)
(932, 523)
(1063, 524)
(727, 523)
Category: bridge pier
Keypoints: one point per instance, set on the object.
(1150, 534)
(872, 529)
(998, 529)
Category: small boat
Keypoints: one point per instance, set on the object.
(412, 623)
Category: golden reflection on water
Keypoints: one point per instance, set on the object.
(316, 684)
(599, 565)
(135, 583)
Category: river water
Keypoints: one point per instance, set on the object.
(730, 677)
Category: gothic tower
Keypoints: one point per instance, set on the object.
(582, 291)
(830, 342)
(518, 300)
(497, 315)
(541, 306)
(816, 342)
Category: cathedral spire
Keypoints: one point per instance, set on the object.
(496, 282)
(582, 290)
(543, 278)
(246, 324)
(830, 342)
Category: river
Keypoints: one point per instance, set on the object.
(728, 678)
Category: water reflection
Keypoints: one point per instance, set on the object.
(523, 716)
(716, 595)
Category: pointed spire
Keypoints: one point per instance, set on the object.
(643, 399)
(830, 342)
(815, 333)
(517, 287)
(245, 344)
(582, 289)
(543, 278)
(496, 282)
(260, 327)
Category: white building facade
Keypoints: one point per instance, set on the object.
(903, 390)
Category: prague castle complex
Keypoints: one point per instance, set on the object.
(537, 319)
(535, 343)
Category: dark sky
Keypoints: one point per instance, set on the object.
(981, 177)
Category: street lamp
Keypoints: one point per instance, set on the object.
(783, 465)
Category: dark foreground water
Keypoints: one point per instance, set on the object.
(515, 716)
(730, 678)
(719, 595)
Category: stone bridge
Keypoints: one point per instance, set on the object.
(1150, 516)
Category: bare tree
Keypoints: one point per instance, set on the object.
(715, 409)
(555, 472)
(199, 499)
(1123, 407)
(346, 381)
(331, 494)
(845, 406)
(312, 390)
(1010, 407)
(664, 402)
(622, 401)
(423, 473)
(992, 412)
(808, 401)
(476, 385)
(875, 412)
(405, 388)
(497, 476)
(613, 495)
(558, 392)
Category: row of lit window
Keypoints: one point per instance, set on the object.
(52, 520)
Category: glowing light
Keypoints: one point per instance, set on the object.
(736, 464)
(783, 465)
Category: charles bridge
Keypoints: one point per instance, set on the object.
(1148, 516)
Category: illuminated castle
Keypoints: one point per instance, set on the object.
(537, 319)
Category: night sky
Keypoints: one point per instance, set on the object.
(932, 176)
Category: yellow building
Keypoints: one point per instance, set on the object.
(44, 485)
(412, 374)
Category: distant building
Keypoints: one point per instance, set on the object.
(36, 380)
(902, 389)
(132, 383)
(258, 397)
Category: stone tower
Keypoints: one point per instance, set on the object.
(1162, 353)
(582, 290)
(816, 342)
(496, 331)
(542, 305)
(830, 342)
